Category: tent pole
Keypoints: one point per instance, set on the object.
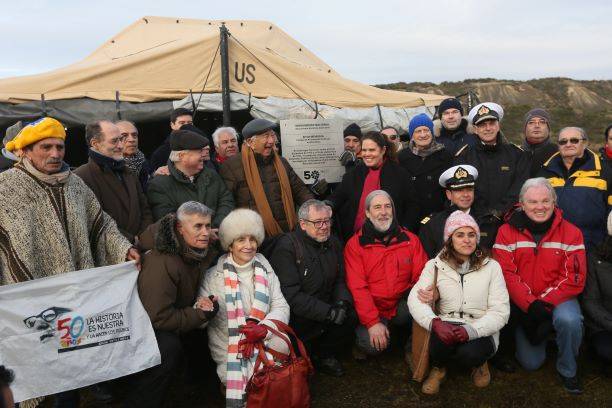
(225, 91)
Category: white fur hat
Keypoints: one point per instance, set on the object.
(239, 223)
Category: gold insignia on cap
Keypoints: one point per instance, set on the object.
(460, 173)
(484, 109)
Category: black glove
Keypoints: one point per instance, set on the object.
(540, 311)
(319, 187)
(337, 313)
(347, 157)
(211, 313)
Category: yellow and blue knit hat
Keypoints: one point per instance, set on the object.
(36, 131)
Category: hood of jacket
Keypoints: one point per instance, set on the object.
(168, 241)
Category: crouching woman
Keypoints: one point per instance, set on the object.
(249, 297)
(472, 306)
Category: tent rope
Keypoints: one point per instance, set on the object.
(277, 77)
(205, 81)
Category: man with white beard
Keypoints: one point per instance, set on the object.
(383, 261)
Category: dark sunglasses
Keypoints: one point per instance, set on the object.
(572, 140)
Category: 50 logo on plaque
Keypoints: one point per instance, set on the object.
(311, 174)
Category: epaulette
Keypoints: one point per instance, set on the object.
(460, 150)
(426, 219)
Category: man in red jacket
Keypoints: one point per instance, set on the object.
(383, 261)
(544, 263)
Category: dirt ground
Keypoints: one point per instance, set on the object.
(384, 382)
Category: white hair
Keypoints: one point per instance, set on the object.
(303, 212)
(220, 130)
(192, 208)
(375, 194)
(241, 222)
(576, 129)
(537, 182)
(175, 155)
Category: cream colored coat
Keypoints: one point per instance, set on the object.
(481, 295)
(213, 284)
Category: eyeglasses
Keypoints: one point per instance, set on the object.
(48, 315)
(320, 223)
(572, 140)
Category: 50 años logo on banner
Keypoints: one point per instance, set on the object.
(72, 331)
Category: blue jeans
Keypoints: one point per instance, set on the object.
(567, 321)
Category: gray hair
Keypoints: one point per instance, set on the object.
(93, 130)
(576, 129)
(375, 194)
(537, 182)
(193, 208)
(175, 155)
(217, 133)
(304, 210)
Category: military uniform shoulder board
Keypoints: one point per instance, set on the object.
(426, 220)
(518, 147)
(460, 150)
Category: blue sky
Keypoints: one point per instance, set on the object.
(376, 41)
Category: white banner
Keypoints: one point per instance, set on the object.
(69, 331)
(312, 147)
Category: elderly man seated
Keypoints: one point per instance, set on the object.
(189, 180)
(383, 262)
(544, 263)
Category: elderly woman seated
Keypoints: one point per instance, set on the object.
(249, 297)
(473, 304)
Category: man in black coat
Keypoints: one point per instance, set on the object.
(453, 132)
(310, 267)
(458, 182)
(537, 144)
(503, 167)
(178, 118)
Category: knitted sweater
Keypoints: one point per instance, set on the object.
(49, 230)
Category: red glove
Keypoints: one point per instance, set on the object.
(253, 332)
(461, 335)
(246, 349)
(444, 331)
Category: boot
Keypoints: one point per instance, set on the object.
(359, 354)
(431, 385)
(481, 375)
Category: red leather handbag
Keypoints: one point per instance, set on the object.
(284, 385)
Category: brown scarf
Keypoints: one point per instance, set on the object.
(54, 179)
(251, 173)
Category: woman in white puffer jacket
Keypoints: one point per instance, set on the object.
(473, 304)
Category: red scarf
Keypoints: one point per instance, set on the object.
(220, 159)
(608, 152)
(371, 183)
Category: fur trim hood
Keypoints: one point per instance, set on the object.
(166, 239)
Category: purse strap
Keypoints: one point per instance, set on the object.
(283, 333)
(434, 304)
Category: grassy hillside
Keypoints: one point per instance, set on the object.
(587, 104)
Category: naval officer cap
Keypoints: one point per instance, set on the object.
(484, 111)
(257, 127)
(458, 177)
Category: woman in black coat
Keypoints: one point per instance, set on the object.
(425, 159)
(379, 171)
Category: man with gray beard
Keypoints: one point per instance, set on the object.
(310, 268)
(383, 262)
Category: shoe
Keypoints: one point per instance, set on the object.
(358, 354)
(571, 384)
(481, 375)
(431, 385)
(330, 366)
(503, 364)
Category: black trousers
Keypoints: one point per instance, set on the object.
(148, 388)
(471, 354)
(602, 345)
(333, 338)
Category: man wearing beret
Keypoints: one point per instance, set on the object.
(537, 142)
(453, 130)
(51, 222)
(189, 180)
(262, 180)
(502, 167)
(115, 186)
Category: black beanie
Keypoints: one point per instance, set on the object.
(353, 130)
(450, 103)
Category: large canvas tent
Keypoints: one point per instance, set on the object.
(157, 64)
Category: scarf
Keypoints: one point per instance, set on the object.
(371, 235)
(520, 220)
(371, 183)
(608, 152)
(220, 159)
(60, 177)
(116, 166)
(432, 148)
(253, 179)
(134, 163)
(237, 367)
